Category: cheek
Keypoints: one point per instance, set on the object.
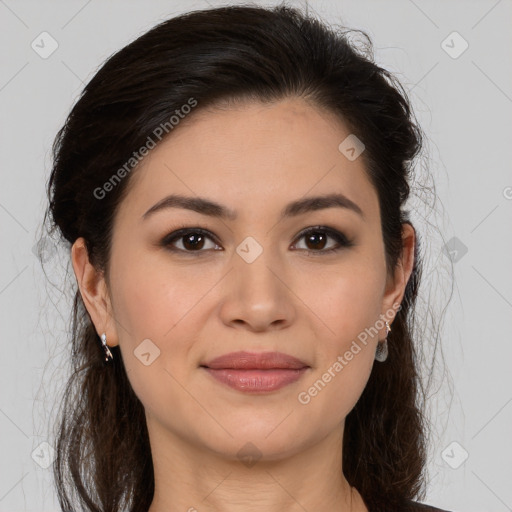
(349, 309)
(155, 302)
(153, 344)
(333, 391)
(151, 299)
(347, 302)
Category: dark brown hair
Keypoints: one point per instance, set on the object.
(229, 54)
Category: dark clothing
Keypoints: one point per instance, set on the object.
(421, 507)
(408, 506)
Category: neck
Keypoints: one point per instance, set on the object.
(194, 480)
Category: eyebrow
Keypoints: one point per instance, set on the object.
(211, 208)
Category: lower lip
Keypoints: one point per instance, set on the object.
(256, 381)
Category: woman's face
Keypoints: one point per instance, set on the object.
(247, 282)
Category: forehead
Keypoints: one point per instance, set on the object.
(253, 157)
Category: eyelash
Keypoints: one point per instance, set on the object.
(340, 238)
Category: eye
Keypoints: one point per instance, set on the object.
(194, 240)
(191, 240)
(317, 236)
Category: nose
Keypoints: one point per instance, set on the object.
(257, 295)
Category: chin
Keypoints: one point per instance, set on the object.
(260, 441)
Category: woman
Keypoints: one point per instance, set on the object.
(231, 185)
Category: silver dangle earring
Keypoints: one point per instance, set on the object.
(381, 354)
(108, 354)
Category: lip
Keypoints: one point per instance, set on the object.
(256, 381)
(256, 372)
(256, 361)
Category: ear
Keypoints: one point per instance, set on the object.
(396, 284)
(94, 292)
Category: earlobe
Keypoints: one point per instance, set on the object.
(93, 289)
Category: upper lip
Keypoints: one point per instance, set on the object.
(256, 360)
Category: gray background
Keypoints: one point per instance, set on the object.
(464, 104)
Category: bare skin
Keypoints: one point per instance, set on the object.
(206, 300)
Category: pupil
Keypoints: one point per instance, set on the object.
(312, 237)
(194, 244)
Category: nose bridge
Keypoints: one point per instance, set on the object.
(257, 266)
(257, 295)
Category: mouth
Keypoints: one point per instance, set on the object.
(256, 361)
(256, 381)
(256, 372)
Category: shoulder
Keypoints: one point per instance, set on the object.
(413, 506)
